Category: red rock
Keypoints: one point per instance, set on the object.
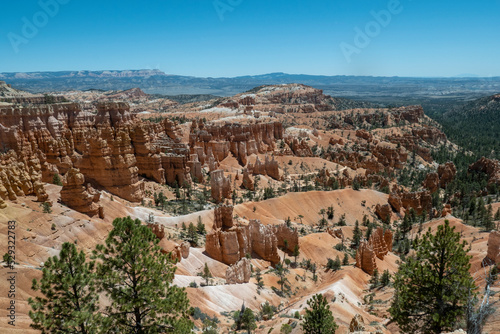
(488, 166)
(220, 185)
(379, 244)
(383, 211)
(264, 242)
(283, 233)
(241, 140)
(365, 258)
(239, 273)
(223, 217)
(79, 197)
(247, 182)
(446, 173)
(493, 254)
(431, 182)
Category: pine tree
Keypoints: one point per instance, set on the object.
(69, 301)
(345, 261)
(318, 318)
(356, 235)
(192, 234)
(248, 320)
(296, 252)
(137, 278)
(56, 179)
(206, 273)
(432, 287)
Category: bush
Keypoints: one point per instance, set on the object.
(333, 264)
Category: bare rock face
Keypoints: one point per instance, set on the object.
(247, 182)
(21, 176)
(241, 140)
(3, 205)
(431, 182)
(336, 232)
(446, 173)
(364, 135)
(195, 168)
(268, 167)
(365, 258)
(418, 201)
(488, 166)
(283, 233)
(225, 246)
(446, 210)
(220, 185)
(228, 243)
(264, 241)
(177, 251)
(223, 217)
(79, 197)
(379, 244)
(493, 254)
(239, 272)
(158, 230)
(110, 147)
(383, 211)
(357, 324)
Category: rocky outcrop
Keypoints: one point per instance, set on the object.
(240, 272)
(158, 230)
(223, 217)
(283, 232)
(379, 244)
(488, 166)
(247, 182)
(493, 254)
(220, 185)
(357, 324)
(268, 167)
(176, 251)
(383, 211)
(110, 147)
(418, 201)
(228, 246)
(431, 182)
(241, 140)
(336, 232)
(228, 243)
(264, 242)
(21, 176)
(365, 258)
(80, 197)
(445, 174)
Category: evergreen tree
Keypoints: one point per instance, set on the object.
(345, 261)
(296, 252)
(432, 287)
(56, 179)
(69, 301)
(192, 234)
(137, 278)
(386, 278)
(248, 320)
(356, 235)
(318, 318)
(206, 273)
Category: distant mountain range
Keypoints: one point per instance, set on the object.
(379, 89)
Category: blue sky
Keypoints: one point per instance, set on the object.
(248, 37)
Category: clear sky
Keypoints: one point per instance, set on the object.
(247, 37)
